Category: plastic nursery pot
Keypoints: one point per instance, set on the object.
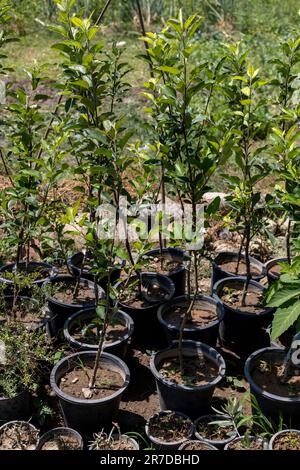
(240, 330)
(32, 324)
(189, 399)
(273, 269)
(60, 439)
(48, 272)
(118, 347)
(207, 333)
(89, 415)
(205, 420)
(261, 444)
(218, 272)
(147, 330)
(162, 444)
(74, 264)
(288, 445)
(30, 431)
(196, 445)
(178, 275)
(17, 407)
(59, 310)
(273, 406)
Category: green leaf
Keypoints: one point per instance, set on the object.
(283, 295)
(171, 70)
(284, 318)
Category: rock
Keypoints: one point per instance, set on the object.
(75, 380)
(87, 393)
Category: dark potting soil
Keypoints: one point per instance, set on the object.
(215, 432)
(165, 264)
(198, 370)
(18, 436)
(62, 442)
(199, 316)
(89, 333)
(246, 444)
(233, 298)
(132, 297)
(65, 294)
(287, 441)
(231, 267)
(75, 382)
(269, 374)
(196, 446)
(169, 427)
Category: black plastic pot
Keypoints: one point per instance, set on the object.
(166, 445)
(204, 444)
(74, 264)
(9, 302)
(279, 434)
(14, 408)
(84, 415)
(32, 267)
(219, 273)
(147, 330)
(251, 438)
(207, 334)
(270, 404)
(28, 426)
(60, 311)
(272, 277)
(57, 432)
(118, 348)
(179, 275)
(191, 400)
(241, 331)
(211, 418)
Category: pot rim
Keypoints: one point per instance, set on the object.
(156, 441)
(284, 431)
(257, 388)
(235, 254)
(53, 271)
(57, 430)
(180, 252)
(80, 401)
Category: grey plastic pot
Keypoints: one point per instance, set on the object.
(229, 256)
(272, 277)
(270, 404)
(49, 435)
(84, 415)
(24, 423)
(178, 276)
(191, 400)
(207, 334)
(14, 408)
(210, 418)
(118, 347)
(281, 433)
(204, 444)
(165, 445)
(59, 310)
(252, 438)
(243, 331)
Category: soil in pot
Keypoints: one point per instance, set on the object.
(26, 311)
(196, 445)
(289, 440)
(209, 429)
(231, 267)
(133, 296)
(268, 375)
(169, 427)
(61, 442)
(233, 297)
(76, 381)
(199, 316)
(165, 264)
(198, 370)
(88, 331)
(104, 442)
(246, 443)
(65, 293)
(18, 436)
